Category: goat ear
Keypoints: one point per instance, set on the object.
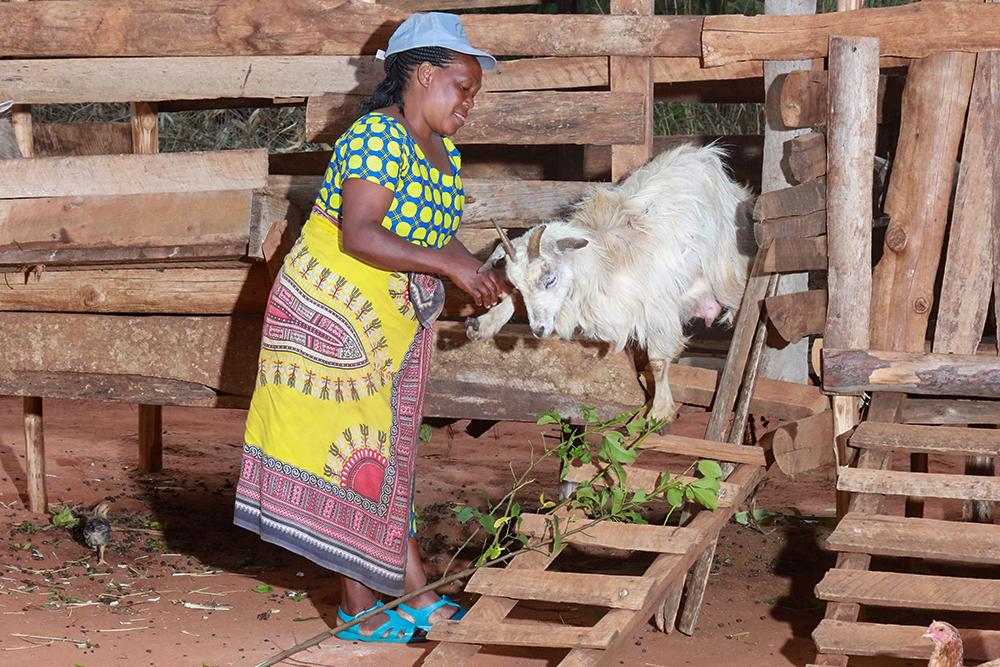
(499, 253)
(570, 244)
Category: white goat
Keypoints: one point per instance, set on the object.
(634, 263)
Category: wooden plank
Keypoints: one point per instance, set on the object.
(928, 439)
(450, 5)
(703, 449)
(81, 138)
(802, 445)
(897, 641)
(599, 118)
(547, 635)
(548, 74)
(102, 28)
(793, 226)
(783, 401)
(126, 257)
(217, 352)
(643, 478)
(929, 485)
(807, 157)
(968, 272)
(925, 410)
(798, 314)
(514, 204)
(854, 371)
(602, 590)
(513, 374)
(178, 291)
(908, 537)
(934, 108)
(793, 255)
(110, 80)
(797, 200)
(116, 388)
(638, 537)
(911, 31)
(126, 221)
(133, 174)
(911, 591)
(676, 70)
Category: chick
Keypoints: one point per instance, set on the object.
(97, 531)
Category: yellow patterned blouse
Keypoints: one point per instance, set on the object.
(427, 206)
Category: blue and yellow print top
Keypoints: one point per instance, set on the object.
(427, 207)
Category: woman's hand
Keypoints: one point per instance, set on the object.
(485, 288)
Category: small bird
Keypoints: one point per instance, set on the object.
(97, 531)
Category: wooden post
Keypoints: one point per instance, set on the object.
(34, 440)
(632, 75)
(789, 362)
(969, 267)
(851, 125)
(145, 139)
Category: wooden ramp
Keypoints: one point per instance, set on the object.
(621, 602)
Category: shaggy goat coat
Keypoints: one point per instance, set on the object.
(635, 262)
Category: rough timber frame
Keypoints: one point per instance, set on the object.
(299, 52)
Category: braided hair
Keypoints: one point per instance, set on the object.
(398, 69)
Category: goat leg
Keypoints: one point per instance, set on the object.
(487, 325)
(663, 401)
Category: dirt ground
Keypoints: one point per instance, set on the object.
(185, 587)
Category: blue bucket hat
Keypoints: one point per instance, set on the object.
(436, 29)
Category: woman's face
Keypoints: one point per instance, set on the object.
(449, 92)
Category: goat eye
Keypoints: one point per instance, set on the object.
(548, 281)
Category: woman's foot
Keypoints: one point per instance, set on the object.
(430, 611)
(388, 627)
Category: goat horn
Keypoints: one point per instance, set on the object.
(536, 243)
(507, 245)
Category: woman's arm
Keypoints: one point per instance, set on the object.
(364, 206)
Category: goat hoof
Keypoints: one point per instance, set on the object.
(472, 328)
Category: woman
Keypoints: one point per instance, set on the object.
(332, 430)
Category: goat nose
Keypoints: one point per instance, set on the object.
(539, 332)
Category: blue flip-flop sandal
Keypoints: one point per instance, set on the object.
(422, 617)
(397, 630)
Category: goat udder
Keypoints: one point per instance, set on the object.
(707, 308)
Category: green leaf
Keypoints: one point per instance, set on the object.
(675, 496)
(706, 498)
(263, 588)
(486, 521)
(556, 535)
(548, 417)
(589, 415)
(465, 514)
(636, 426)
(65, 518)
(426, 432)
(710, 469)
(298, 598)
(639, 496)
